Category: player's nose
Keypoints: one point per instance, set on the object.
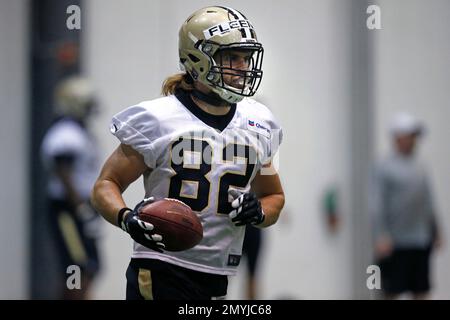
(241, 63)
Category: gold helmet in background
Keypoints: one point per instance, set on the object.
(74, 97)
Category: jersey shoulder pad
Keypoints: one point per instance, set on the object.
(140, 125)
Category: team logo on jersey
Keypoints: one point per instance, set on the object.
(114, 128)
(259, 128)
(225, 27)
(233, 260)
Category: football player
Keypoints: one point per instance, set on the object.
(69, 155)
(205, 143)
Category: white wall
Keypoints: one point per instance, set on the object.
(131, 46)
(14, 145)
(412, 63)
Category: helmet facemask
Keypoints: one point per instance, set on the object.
(235, 67)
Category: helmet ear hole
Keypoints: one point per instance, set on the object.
(193, 58)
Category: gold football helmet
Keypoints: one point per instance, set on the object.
(210, 41)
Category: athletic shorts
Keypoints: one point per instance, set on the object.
(150, 279)
(406, 270)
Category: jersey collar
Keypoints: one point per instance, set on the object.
(214, 121)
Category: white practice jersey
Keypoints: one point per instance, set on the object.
(197, 158)
(66, 137)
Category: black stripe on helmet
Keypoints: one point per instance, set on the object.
(230, 12)
(241, 14)
(235, 14)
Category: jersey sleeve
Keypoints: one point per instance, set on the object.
(276, 136)
(138, 128)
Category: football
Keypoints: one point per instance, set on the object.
(174, 220)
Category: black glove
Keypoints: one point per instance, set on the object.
(247, 209)
(140, 231)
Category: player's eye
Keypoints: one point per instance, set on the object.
(235, 59)
(239, 59)
(224, 58)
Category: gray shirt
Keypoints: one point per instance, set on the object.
(401, 202)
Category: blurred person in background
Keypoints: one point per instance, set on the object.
(69, 154)
(405, 224)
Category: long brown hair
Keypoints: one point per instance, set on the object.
(176, 81)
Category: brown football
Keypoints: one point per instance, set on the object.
(174, 220)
